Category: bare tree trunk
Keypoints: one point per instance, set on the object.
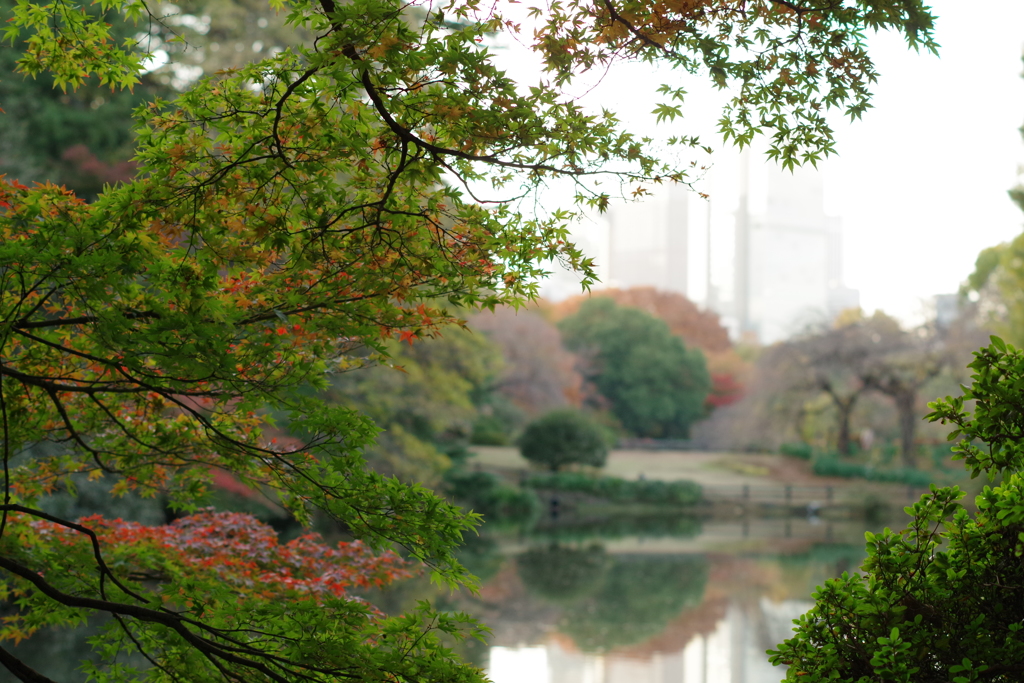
(845, 408)
(908, 426)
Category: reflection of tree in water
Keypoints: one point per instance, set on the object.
(563, 575)
(640, 596)
(613, 601)
(481, 556)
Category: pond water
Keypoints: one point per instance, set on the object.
(665, 600)
(694, 602)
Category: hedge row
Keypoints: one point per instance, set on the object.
(618, 490)
(831, 467)
(485, 493)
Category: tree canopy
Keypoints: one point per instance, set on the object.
(424, 401)
(653, 384)
(285, 218)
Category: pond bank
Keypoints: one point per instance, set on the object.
(733, 484)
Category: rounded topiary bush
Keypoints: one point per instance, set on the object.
(564, 437)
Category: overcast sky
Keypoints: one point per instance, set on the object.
(920, 182)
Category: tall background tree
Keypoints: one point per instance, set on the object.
(286, 218)
(425, 400)
(653, 384)
(539, 373)
(700, 329)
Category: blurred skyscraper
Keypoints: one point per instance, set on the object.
(788, 259)
(780, 271)
(635, 244)
(648, 244)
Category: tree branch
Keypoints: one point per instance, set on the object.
(21, 670)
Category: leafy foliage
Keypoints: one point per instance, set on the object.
(619, 490)
(943, 599)
(287, 216)
(424, 399)
(564, 437)
(700, 329)
(655, 386)
(79, 138)
(697, 328)
(486, 494)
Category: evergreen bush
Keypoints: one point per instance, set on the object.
(619, 490)
(797, 450)
(564, 437)
(485, 493)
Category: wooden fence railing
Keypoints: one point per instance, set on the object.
(797, 494)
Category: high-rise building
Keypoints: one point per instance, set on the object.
(648, 241)
(786, 269)
(788, 264)
(634, 244)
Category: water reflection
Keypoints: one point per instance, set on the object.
(694, 607)
(732, 652)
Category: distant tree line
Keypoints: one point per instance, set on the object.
(862, 379)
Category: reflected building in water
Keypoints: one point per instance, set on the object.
(733, 651)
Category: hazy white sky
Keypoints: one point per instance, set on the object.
(920, 182)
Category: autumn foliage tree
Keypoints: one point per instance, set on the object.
(284, 218)
(700, 329)
(540, 375)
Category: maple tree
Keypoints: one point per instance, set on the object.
(286, 218)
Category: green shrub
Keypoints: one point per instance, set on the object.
(489, 430)
(564, 437)
(940, 600)
(485, 493)
(619, 490)
(803, 451)
(829, 466)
